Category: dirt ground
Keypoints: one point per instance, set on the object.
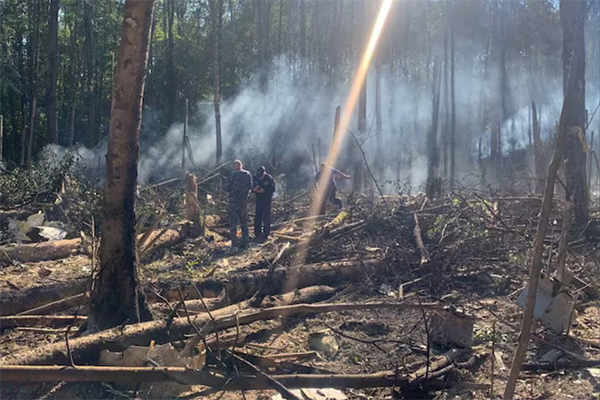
(478, 261)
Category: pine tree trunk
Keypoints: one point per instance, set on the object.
(73, 76)
(89, 72)
(433, 161)
(171, 87)
(117, 297)
(572, 16)
(540, 170)
(216, 8)
(452, 106)
(53, 72)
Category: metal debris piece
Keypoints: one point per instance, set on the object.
(553, 308)
(324, 342)
(452, 328)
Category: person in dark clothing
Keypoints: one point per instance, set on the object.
(238, 186)
(264, 187)
(329, 186)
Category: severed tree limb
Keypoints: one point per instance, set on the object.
(419, 240)
(260, 294)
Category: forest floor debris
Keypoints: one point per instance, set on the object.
(478, 258)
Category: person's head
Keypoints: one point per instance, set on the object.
(323, 166)
(237, 165)
(261, 171)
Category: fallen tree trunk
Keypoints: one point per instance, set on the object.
(54, 321)
(309, 294)
(242, 286)
(14, 302)
(118, 339)
(237, 288)
(57, 306)
(35, 252)
(204, 378)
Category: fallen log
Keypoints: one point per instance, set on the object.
(309, 294)
(242, 286)
(57, 306)
(117, 339)
(54, 321)
(36, 252)
(204, 378)
(14, 302)
(238, 287)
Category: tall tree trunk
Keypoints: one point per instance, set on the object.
(263, 26)
(171, 87)
(279, 27)
(89, 72)
(216, 8)
(303, 35)
(117, 297)
(452, 104)
(73, 74)
(572, 16)
(446, 133)
(378, 117)
(34, 69)
(539, 168)
(52, 72)
(433, 160)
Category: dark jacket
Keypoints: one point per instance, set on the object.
(265, 182)
(239, 185)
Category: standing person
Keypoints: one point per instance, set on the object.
(238, 186)
(330, 189)
(264, 187)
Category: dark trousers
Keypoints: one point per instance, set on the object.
(262, 219)
(330, 196)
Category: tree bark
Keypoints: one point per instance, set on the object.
(171, 72)
(52, 72)
(117, 296)
(572, 17)
(89, 73)
(433, 182)
(540, 170)
(216, 8)
(452, 105)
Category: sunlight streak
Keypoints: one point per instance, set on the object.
(346, 115)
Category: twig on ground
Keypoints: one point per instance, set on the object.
(284, 391)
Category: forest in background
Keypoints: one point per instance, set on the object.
(274, 71)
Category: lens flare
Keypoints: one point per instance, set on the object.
(346, 117)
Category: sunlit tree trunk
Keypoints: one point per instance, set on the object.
(117, 296)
